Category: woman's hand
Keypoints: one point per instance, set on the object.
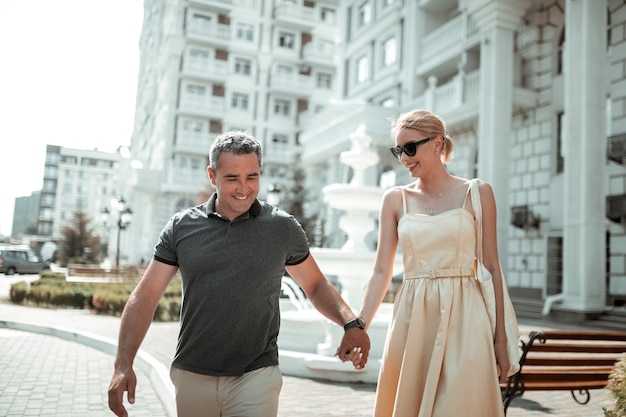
(502, 358)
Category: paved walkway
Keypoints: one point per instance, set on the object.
(59, 363)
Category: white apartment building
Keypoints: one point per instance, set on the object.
(211, 66)
(532, 92)
(533, 95)
(77, 180)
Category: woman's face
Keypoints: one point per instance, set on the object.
(414, 149)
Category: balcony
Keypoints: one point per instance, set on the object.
(297, 84)
(208, 32)
(194, 142)
(214, 69)
(616, 207)
(202, 105)
(461, 91)
(616, 148)
(447, 41)
(295, 14)
(319, 51)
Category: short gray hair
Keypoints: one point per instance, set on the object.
(237, 142)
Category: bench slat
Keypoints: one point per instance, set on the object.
(573, 359)
(587, 347)
(584, 335)
(562, 385)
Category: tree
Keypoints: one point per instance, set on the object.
(293, 200)
(79, 244)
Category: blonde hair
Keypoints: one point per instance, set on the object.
(428, 123)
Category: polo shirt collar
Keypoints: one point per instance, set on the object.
(254, 210)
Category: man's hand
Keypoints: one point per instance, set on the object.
(123, 380)
(354, 347)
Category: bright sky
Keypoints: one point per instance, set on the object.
(68, 77)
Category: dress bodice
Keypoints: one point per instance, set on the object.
(438, 246)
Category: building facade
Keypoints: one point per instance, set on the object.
(77, 180)
(211, 66)
(25, 213)
(532, 93)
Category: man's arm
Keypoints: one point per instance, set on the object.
(136, 319)
(355, 345)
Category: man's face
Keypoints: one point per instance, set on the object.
(237, 183)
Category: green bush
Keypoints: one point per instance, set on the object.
(19, 291)
(617, 389)
(51, 290)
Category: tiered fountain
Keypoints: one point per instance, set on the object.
(308, 340)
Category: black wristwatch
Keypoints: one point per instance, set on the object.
(358, 322)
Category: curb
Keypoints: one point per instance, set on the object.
(146, 363)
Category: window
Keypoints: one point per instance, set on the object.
(284, 69)
(197, 90)
(198, 54)
(560, 161)
(282, 107)
(363, 72)
(286, 40)
(328, 15)
(324, 80)
(243, 66)
(240, 101)
(364, 14)
(244, 32)
(192, 125)
(387, 103)
(560, 48)
(280, 139)
(389, 52)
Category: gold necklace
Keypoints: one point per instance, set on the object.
(431, 210)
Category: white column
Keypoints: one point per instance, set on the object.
(585, 61)
(497, 21)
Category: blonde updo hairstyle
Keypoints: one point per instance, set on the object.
(426, 122)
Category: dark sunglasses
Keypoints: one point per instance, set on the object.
(409, 148)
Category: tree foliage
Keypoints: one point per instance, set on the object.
(79, 244)
(293, 200)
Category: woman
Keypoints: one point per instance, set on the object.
(441, 357)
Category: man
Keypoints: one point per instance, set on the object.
(232, 252)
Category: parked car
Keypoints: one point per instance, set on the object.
(17, 260)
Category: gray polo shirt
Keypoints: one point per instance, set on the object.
(231, 275)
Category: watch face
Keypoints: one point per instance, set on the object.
(360, 322)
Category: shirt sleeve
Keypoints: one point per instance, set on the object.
(299, 244)
(164, 249)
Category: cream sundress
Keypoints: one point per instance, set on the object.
(439, 358)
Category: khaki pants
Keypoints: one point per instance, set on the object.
(254, 394)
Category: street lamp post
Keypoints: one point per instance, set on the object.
(125, 215)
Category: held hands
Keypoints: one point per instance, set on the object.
(354, 347)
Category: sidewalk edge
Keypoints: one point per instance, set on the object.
(156, 371)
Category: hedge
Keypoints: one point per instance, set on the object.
(51, 290)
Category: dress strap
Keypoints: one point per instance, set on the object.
(403, 199)
(467, 194)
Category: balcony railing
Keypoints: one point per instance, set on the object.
(293, 11)
(461, 90)
(319, 50)
(209, 30)
(292, 82)
(194, 141)
(207, 68)
(453, 35)
(202, 104)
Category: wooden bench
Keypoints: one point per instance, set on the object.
(565, 360)
(123, 273)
